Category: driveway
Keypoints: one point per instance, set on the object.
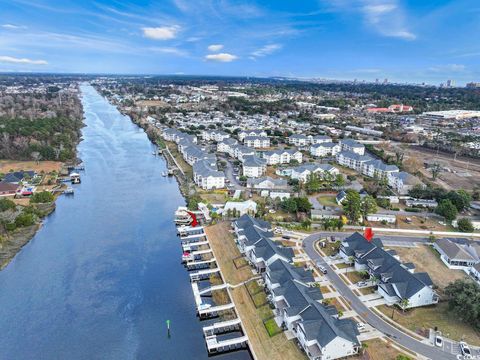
(368, 315)
(229, 174)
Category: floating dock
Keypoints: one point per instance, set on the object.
(192, 238)
(215, 346)
(203, 274)
(222, 327)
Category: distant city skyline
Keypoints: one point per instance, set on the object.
(431, 41)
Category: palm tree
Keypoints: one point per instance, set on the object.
(364, 347)
(404, 304)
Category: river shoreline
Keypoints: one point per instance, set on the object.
(153, 134)
(15, 241)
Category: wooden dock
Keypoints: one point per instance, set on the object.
(199, 264)
(203, 274)
(188, 246)
(215, 346)
(222, 327)
(192, 239)
(214, 310)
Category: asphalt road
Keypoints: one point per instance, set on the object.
(229, 174)
(368, 315)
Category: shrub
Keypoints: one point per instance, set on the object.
(465, 225)
(24, 220)
(42, 197)
(6, 204)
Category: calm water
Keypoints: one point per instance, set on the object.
(103, 275)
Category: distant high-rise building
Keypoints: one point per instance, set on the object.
(473, 85)
(450, 83)
(385, 81)
(377, 81)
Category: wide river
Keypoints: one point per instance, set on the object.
(103, 275)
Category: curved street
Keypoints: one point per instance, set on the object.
(368, 315)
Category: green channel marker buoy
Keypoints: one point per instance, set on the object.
(168, 328)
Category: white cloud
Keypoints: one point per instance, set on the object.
(14, 60)
(266, 50)
(402, 34)
(386, 17)
(161, 33)
(169, 50)
(221, 57)
(215, 47)
(13, 27)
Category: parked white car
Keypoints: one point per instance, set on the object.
(465, 349)
(439, 341)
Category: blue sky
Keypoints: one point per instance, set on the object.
(402, 40)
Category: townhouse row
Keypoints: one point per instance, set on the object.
(204, 165)
(400, 181)
(296, 300)
(397, 282)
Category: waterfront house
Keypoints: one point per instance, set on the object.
(279, 272)
(323, 336)
(291, 298)
(208, 177)
(317, 328)
(17, 177)
(8, 189)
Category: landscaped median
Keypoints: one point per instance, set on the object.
(265, 339)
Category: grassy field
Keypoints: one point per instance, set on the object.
(264, 346)
(330, 248)
(421, 319)
(380, 350)
(427, 259)
(179, 158)
(354, 276)
(272, 327)
(45, 166)
(327, 200)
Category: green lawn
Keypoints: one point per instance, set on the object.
(428, 317)
(272, 327)
(327, 200)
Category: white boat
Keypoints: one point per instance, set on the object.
(68, 191)
(186, 256)
(182, 216)
(75, 178)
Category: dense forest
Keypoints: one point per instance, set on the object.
(40, 123)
